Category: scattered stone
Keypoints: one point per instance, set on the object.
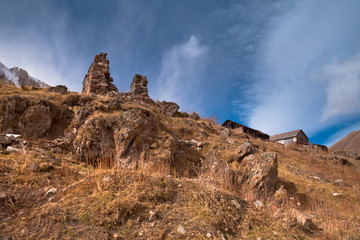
(208, 235)
(280, 194)
(336, 194)
(258, 204)
(116, 236)
(152, 216)
(59, 89)
(141, 233)
(51, 191)
(236, 203)
(181, 230)
(241, 152)
(201, 145)
(98, 79)
(339, 182)
(179, 186)
(225, 133)
(230, 140)
(32, 166)
(3, 197)
(11, 149)
(303, 219)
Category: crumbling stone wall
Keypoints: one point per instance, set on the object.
(98, 79)
(139, 86)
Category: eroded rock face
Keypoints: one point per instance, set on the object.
(59, 89)
(98, 79)
(253, 175)
(139, 86)
(260, 174)
(32, 119)
(168, 108)
(133, 139)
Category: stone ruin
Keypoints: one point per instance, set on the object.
(139, 86)
(98, 79)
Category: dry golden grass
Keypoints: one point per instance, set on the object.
(104, 202)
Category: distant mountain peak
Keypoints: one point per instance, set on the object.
(19, 77)
(349, 143)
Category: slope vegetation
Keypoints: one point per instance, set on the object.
(119, 167)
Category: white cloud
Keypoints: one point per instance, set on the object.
(180, 76)
(343, 89)
(301, 86)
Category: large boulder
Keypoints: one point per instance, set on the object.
(260, 174)
(254, 176)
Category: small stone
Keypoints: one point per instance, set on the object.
(3, 197)
(116, 236)
(258, 204)
(339, 182)
(51, 191)
(179, 186)
(32, 166)
(152, 216)
(336, 194)
(181, 230)
(169, 176)
(236, 204)
(208, 235)
(141, 233)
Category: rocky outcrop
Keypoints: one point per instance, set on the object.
(168, 108)
(33, 119)
(260, 174)
(254, 175)
(139, 86)
(134, 139)
(98, 79)
(59, 89)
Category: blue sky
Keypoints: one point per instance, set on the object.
(273, 65)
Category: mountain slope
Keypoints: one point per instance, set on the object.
(350, 142)
(19, 77)
(125, 167)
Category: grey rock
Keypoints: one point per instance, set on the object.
(180, 229)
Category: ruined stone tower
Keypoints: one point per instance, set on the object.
(139, 86)
(98, 79)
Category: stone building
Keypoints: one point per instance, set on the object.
(98, 79)
(297, 136)
(244, 129)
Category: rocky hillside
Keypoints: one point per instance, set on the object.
(122, 166)
(350, 143)
(18, 77)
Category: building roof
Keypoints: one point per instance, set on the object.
(286, 135)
